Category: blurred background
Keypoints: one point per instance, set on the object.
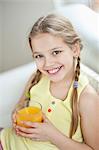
(16, 20)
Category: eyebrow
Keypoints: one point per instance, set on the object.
(48, 50)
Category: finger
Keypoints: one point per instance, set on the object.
(31, 124)
(26, 130)
(14, 117)
(31, 136)
(14, 125)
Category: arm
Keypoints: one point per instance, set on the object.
(89, 112)
(65, 143)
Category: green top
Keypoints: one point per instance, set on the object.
(58, 111)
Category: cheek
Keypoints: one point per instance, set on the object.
(69, 61)
(39, 64)
(66, 57)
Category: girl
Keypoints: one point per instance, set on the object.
(70, 104)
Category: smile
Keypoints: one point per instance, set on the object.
(54, 71)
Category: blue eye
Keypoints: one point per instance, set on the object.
(56, 52)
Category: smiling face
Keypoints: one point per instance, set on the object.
(53, 56)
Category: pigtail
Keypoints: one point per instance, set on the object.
(33, 82)
(25, 98)
(74, 98)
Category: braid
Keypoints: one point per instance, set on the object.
(74, 121)
(34, 81)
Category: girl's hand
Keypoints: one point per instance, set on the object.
(14, 122)
(37, 131)
(14, 119)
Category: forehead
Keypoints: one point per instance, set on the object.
(46, 41)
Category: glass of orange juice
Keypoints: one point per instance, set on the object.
(31, 113)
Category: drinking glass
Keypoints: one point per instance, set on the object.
(31, 113)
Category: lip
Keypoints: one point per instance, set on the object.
(54, 70)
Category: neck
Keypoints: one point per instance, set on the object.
(65, 83)
(60, 89)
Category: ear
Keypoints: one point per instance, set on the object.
(76, 49)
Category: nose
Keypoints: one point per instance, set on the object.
(49, 62)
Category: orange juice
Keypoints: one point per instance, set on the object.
(31, 113)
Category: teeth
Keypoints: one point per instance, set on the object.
(53, 70)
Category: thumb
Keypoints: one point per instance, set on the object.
(14, 116)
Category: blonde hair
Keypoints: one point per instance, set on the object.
(59, 26)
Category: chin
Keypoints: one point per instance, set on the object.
(56, 78)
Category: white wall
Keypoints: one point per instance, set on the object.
(0, 37)
(59, 3)
(18, 18)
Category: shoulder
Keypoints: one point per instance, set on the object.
(89, 114)
(83, 82)
(88, 99)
